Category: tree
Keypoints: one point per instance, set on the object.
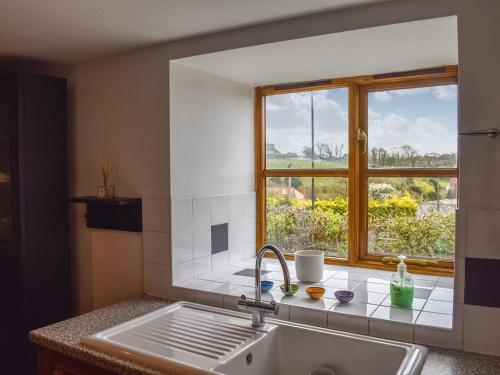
(307, 152)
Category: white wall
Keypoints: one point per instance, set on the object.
(121, 107)
(212, 170)
(211, 134)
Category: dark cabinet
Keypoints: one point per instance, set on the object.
(53, 363)
(34, 251)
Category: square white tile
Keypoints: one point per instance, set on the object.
(395, 314)
(378, 279)
(341, 283)
(442, 294)
(201, 212)
(441, 307)
(236, 255)
(202, 266)
(220, 210)
(236, 207)
(481, 329)
(461, 232)
(250, 204)
(347, 323)
(154, 246)
(202, 242)
(369, 297)
(182, 271)
(250, 252)
(418, 303)
(391, 330)
(250, 234)
(156, 281)
(182, 214)
(182, 246)
(370, 287)
(459, 287)
(236, 234)
(483, 233)
(354, 308)
(435, 319)
(315, 318)
(220, 260)
(155, 214)
(348, 275)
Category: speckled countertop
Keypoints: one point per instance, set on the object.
(65, 336)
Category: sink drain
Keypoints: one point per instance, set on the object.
(249, 359)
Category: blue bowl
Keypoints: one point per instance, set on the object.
(266, 286)
(344, 296)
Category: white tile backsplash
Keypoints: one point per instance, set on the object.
(220, 260)
(250, 205)
(182, 271)
(250, 228)
(220, 210)
(208, 299)
(391, 330)
(202, 242)
(156, 280)
(236, 234)
(154, 247)
(182, 214)
(236, 207)
(305, 316)
(201, 211)
(155, 214)
(347, 323)
(202, 266)
(197, 215)
(250, 251)
(182, 246)
(481, 329)
(483, 233)
(236, 255)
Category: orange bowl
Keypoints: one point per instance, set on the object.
(315, 292)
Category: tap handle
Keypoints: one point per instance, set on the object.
(249, 304)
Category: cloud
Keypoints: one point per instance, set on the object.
(446, 93)
(288, 121)
(424, 134)
(382, 96)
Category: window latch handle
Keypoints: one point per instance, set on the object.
(362, 137)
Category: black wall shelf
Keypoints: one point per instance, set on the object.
(118, 213)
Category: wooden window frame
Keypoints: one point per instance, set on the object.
(357, 170)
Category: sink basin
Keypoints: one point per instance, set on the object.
(195, 339)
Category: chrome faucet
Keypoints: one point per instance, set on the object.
(256, 306)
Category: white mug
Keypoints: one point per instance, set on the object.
(309, 265)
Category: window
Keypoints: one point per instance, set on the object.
(363, 168)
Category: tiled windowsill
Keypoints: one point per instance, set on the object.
(432, 307)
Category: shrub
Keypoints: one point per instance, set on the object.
(394, 226)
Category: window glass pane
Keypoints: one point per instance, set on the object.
(413, 128)
(412, 216)
(298, 123)
(307, 213)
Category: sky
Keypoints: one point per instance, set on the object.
(425, 118)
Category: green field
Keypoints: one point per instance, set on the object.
(303, 164)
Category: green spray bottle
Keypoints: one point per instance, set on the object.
(402, 287)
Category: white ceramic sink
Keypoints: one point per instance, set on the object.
(196, 339)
